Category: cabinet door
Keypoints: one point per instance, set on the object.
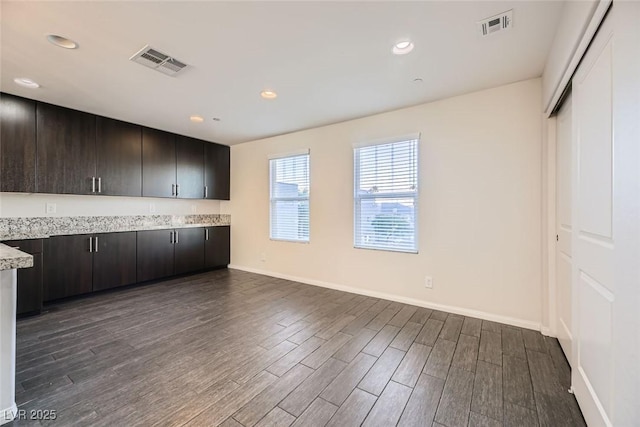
(68, 266)
(114, 260)
(29, 279)
(154, 254)
(66, 158)
(189, 250)
(119, 157)
(216, 171)
(158, 163)
(18, 144)
(30, 287)
(217, 246)
(190, 167)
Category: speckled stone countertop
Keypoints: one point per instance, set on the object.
(11, 258)
(43, 227)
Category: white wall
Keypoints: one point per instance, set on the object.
(33, 205)
(479, 215)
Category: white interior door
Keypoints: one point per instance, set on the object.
(564, 224)
(593, 237)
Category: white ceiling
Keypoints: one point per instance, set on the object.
(328, 61)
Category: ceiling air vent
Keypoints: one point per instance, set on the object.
(501, 22)
(152, 58)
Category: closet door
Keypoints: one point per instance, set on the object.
(564, 170)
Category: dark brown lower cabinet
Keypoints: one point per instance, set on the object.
(217, 246)
(29, 279)
(155, 254)
(189, 250)
(80, 264)
(114, 260)
(163, 253)
(68, 266)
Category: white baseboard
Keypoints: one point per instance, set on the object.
(405, 300)
(7, 415)
(546, 331)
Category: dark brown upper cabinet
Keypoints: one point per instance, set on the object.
(51, 149)
(158, 163)
(18, 144)
(216, 171)
(66, 160)
(189, 168)
(119, 157)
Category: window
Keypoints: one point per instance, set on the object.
(289, 177)
(386, 195)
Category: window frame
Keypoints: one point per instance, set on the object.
(272, 199)
(358, 198)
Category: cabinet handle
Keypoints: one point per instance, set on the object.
(99, 185)
(206, 191)
(171, 237)
(93, 184)
(176, 236)
(173, 189)
(90, 244)
(95, 243)
(177, 189)
(206, 234)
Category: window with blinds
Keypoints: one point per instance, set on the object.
(289, 177)
(386, 196)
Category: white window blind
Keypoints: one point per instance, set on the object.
(386, 196)
(289, 177)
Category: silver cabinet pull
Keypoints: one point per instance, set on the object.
(177, 189)
(173, 189)
(176, 234)
(99, 185)
(206, 191)
(171, 237)
(95, 249)
(206, 234)
(90, 244)
(93, 184)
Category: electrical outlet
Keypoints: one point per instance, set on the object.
(51, 208)
(428, 282)
(263, 257)
(152, 207)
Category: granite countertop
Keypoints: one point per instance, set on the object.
(11, 258)
(44, 227)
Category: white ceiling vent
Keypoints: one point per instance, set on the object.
(501, 22)
(152, 58)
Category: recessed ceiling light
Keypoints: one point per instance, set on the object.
(25, 82)
(268, 94)
(196, 119)
(62, 41)
(402, 48)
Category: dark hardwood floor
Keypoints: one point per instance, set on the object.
(240, 349)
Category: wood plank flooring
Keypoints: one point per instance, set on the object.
(238, 349)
